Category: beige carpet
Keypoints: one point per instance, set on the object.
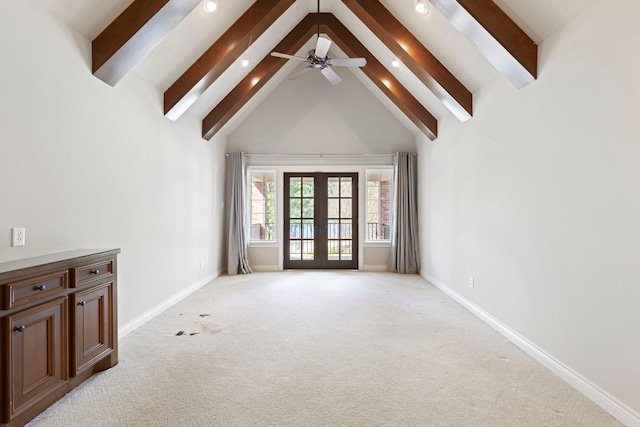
(322, 349)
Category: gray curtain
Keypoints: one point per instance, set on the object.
(405, 247)
(237, 246)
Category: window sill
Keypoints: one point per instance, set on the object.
(264, 243)
(377, 243)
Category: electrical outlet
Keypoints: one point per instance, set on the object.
(472, 282)
(18, 236)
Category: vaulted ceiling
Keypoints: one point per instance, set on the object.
(193, 57)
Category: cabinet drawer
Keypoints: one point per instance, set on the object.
(92, 272)
(34, 289)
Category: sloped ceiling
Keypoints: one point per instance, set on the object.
(192, 57)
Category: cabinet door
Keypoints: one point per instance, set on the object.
(38, 362)
(92, 326)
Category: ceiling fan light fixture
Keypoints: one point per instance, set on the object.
(422, 7)
(318, 59)
(209, 5)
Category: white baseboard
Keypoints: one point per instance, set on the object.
(375, 267)
(617, 409)
(129, 327)
(264, 268)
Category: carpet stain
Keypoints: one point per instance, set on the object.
(212, 331)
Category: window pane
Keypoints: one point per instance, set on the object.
(333, 208)
(308, 229)
(333, 249)
(379, 204)
(307, 208)
(345, 187)
(345, 250)
(345, 208)
(333, 187)
(307, 187)
(262, 205)
(307, 246)
(295, 208)
(295, 250)
(295, 230)
(333, 229)
(345, 229)
(295, 185)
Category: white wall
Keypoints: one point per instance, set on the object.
(309, 115)
(86, 165)
(538, 198)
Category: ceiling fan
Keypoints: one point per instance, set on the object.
(318, 59)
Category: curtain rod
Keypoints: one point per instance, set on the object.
(318, 155)
(320, 159)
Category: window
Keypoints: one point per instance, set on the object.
(379, 202)
(263, 205)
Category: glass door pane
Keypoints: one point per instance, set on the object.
(340, 218)
(300, 220)
(321, 216)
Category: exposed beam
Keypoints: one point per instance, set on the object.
(414, 56)
(257, 78)
(133, 34)
(330, 25)
(382, 78)
(496, 37)
(227, 49)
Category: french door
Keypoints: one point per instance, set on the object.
(321, 220)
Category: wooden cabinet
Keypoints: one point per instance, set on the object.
(58, 319)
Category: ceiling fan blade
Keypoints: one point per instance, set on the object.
(348, 62)
(299, 73)
(331, 75)
(285, 56)
(322, 47)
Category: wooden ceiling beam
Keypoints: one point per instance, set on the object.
(496, 37)
(383, 78)
(226, 50)
(412, 53)
(257, 78)
(330, 25)
(133, 34)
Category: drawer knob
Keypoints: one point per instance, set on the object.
(40, 288)
(21, 328)
(82, 303)
(96, 271)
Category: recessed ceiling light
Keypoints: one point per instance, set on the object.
(245, 62)
(209, 5)
(395, 62)
(422, 7)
